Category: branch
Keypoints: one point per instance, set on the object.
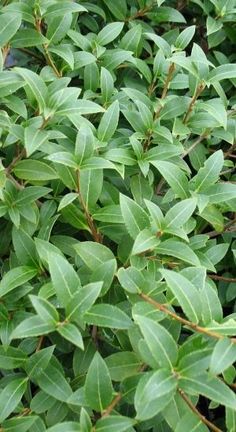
(112, 405)
(195, 411)
(197, 93)
(184, 321)
(221, 278)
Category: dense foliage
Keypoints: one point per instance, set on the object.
(117, 205)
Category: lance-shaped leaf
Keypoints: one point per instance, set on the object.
(185, 292)
(11, 396)
(223, 356)
(178, 250)
(109, 122)
(98, 386)
(16, 277)
(174, 177)
(52, 382)
(180, 213)
(135, 218)
(106, 315)
(159, 341)
(9, 24)
(65, 280)
(211, 387)
(154, 392)
(210, 172)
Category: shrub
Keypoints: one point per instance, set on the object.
(117, 208)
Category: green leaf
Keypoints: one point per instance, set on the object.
(33, 326)
(83, 300)
(36, 85)
(180, 213)
(106, 315)
(122, 365)
(11, 396)
(154, 392)
(225, 71)
(64, 158)
(28, 38)
(160, 342)
(107, 84)
(9, 24)
(174, 177)
(84, 145)
(19, 424)
(93, 254)
(46, 311)
(145, 241)
(65, 280)
(52, 382)
(34, 170)
(210, 387)
(224, 355)
(119, 10)
(16, 277)
(185, 292)
(38, 362)
(109, 122)
(34, 139)
(178, 250)
(114, 424)
(72, 334)
(191, 422)
(91, 182)
(185, 37)
(109, 33)
(210, 172)
(131, 279)
(98, 386)
(134, 216)
(11, 358)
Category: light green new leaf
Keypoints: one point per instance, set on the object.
(106, 315)
(16, 277)
(11, 396)
(211, 387)
(135, 218)
(109, 122)
(65, 280)
(185, 292)
(223, 356)
(153, 393)
(160, 342)
(98, 386)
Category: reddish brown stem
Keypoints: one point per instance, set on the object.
(112, 405)
(222, 278)
(195, 410)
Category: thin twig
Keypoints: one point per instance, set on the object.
(222, 278)
(197, 93)
(195, 410)
(184, 321)
(112, 405)
(226, 228)
(40, 342)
